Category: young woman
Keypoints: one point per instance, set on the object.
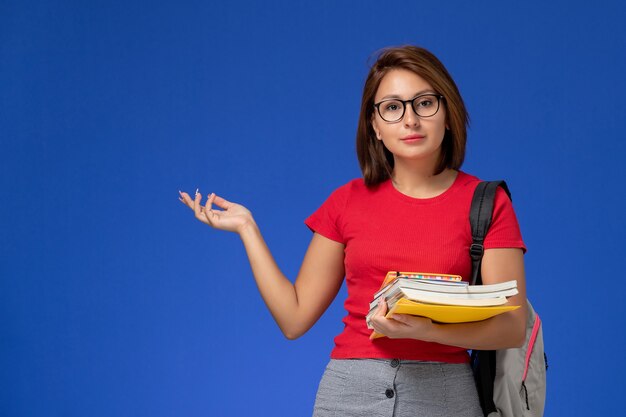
(409, 212)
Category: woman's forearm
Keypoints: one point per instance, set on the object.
(500, 332)
(296, 307)
(276, 290)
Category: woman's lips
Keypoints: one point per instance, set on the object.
(412, 138)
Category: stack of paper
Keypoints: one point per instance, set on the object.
(442, 298)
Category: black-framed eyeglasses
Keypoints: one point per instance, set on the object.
(392, 110)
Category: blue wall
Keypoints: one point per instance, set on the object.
(115, 301)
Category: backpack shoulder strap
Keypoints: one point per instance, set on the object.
(481, 212)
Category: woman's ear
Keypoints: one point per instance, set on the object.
(375, 127)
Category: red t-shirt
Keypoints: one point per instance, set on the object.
(385, 230)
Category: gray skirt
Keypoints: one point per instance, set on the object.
(396, 388)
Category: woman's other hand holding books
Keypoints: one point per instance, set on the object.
(401, 326)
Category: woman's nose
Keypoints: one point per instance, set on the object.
(410, 117)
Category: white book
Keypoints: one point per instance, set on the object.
(437, 285)
(396, 292)
(446, 286)
(507, 288)
(450, 299)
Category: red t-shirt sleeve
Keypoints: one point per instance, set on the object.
(504, 231)
(327, 220)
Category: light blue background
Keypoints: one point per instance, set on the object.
(115, 301)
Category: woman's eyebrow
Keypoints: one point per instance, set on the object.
(396, 96)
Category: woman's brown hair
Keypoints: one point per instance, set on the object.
(375, 160)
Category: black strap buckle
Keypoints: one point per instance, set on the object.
(477, 250)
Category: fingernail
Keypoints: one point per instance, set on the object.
(197, 189)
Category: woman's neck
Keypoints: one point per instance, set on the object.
(418, 181)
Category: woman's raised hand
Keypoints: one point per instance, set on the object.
(232, 217)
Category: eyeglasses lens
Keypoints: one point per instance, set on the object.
(426, 106)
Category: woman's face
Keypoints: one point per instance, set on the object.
(412, 137)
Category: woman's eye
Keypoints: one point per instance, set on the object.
(425, 103)
(392, 107)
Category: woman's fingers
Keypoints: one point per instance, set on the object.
(181, 197)
(221, 202)
(224, 217)
(389, 327)
(198, 209)
(204, 213)
(209, 214)
(377, 318)
(186, 199)
(382, 308)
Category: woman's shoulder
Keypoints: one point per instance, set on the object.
(467, 183)
(356, 184)
(353, 190)
(464, 179)
(463, 186)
